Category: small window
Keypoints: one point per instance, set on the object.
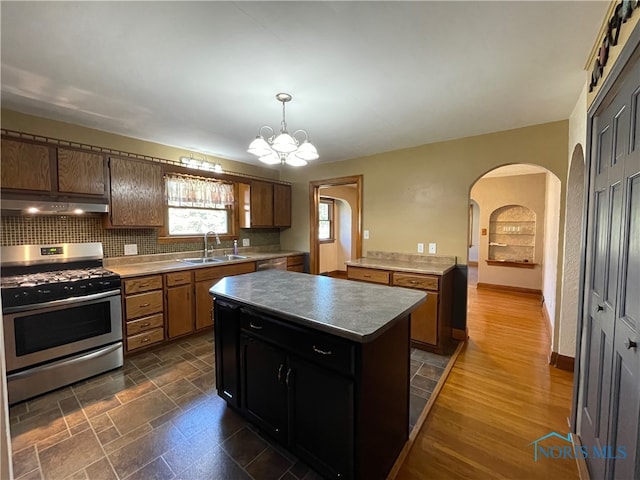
(325, 220)
(197, 205)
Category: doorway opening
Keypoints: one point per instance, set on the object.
(329, 254)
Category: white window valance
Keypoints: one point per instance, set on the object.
(189, 191)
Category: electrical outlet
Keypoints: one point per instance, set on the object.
(421, 248)
(432, 248)
(246, 242)
(366, 234)
(131, 249)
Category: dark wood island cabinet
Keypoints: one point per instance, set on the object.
(319, 364)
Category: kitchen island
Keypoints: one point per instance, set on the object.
(319, 364)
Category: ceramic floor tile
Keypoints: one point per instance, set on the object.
(100, 470)
(37, 428)
(244, 446)
(269, 465)
(137, 412)
(33, 475)
(127, 439)
(156, 470)
(25, 461)
(216, 466)
(145, 449)
(70, 455)
(136, 391)
(423, 382)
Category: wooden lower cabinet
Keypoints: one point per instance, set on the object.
(295, 263)
(340, 406)
(143, 311)
(204, 304)
(179, 296)
(431, 321)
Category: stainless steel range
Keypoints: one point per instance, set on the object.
(62, 316)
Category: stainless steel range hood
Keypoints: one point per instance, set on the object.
(51, 207)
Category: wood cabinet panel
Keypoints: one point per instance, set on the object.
(368, 275)
(25, 166)
(294, 261)
(146, 323)
(178, 278)
(143, 304)
(81, 172)
(261, 204)
(424, 321)
(145, 339)
(143, 284)
(281, 205)
(224, 271)
(179, 311)
(423, 282)
(204, 304)
(137, 193)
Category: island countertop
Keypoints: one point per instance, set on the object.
(352, 310)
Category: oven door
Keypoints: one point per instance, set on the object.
(63, 328)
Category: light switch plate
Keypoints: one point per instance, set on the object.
(245, 242)
(366, 234)
(432, 248)
(131, 249)
(421, 248)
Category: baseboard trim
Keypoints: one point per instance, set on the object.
(581, 463)
(472, 263)
(459, 334)
(562, 361)
(547, 322)
(509, 288)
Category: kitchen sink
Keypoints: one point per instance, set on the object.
(225, 258)
(205, 260)
(202, 260)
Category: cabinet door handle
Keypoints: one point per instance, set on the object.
(144, 305)
(630, 344)
(289, 379)
(414, 282)
(143, 285)
(146, 324)
(367, 276)
(321, 352)
(254, 326)
(145, 339)
(599, 308)
(280, 372)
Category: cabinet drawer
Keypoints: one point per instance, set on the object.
(143, 304)
(146, 323)
(368, 275)
(178, 278)
(137, 285)
(224, 271)
(295, 260)
(144, 339)
(423, 282)
(296, 268)
(324, 350)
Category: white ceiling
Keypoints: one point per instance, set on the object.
(366, 77)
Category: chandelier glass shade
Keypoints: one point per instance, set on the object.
(282, 148)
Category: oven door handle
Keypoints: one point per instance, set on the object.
(64, 301)
(70, 361)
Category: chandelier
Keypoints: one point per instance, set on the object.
(283, 148)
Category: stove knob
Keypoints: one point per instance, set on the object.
(68, 288)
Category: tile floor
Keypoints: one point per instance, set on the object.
(159, 417)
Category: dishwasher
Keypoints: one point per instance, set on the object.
(272, 264)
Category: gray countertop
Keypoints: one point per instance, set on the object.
(135, 269)
(403, 265)
(353, 310)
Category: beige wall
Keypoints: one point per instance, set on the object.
(551, 268)
(495, 192)
(19, 122)
(421, 194)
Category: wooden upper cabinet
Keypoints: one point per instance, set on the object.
(81, 172)
(261, 204)
(137, 193)
(281, 205)
(25, 166)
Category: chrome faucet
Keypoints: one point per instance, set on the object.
(206, 242)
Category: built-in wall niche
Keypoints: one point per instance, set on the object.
(512, 236)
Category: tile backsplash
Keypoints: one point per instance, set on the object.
(22, 230)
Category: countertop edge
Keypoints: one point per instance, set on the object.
(321, 327)
(390, 265)
(168, 266)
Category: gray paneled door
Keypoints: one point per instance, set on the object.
(610, 401)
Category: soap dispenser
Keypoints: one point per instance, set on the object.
(235, 247)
